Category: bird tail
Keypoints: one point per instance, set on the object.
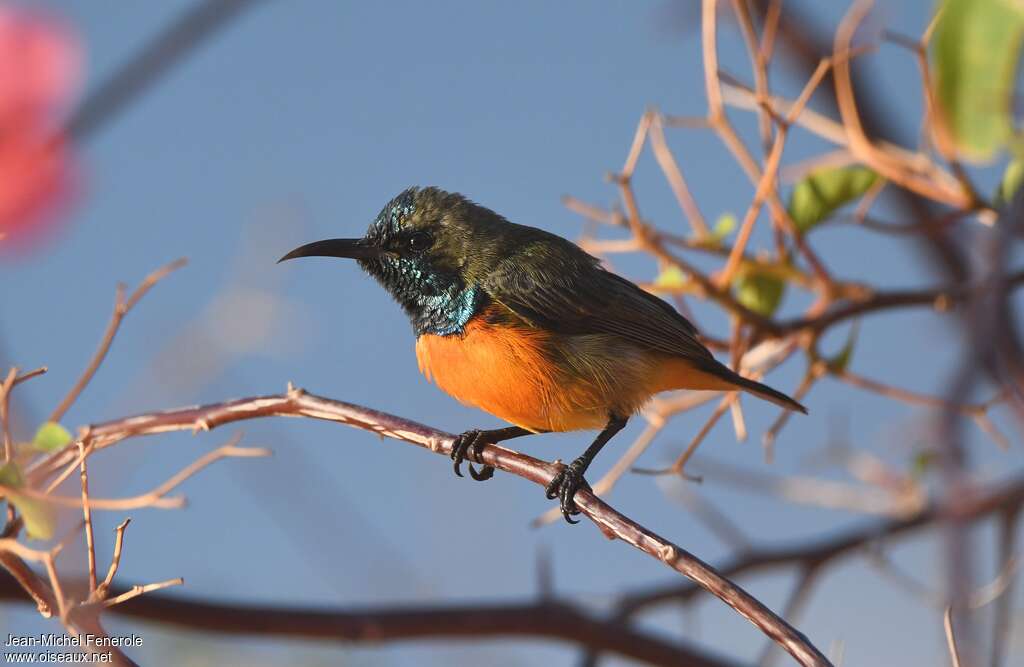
(755, 388)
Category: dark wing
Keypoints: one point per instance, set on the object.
(555, 285)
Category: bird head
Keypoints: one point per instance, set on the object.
(428, 248)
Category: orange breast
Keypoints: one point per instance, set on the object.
(507, 371)
(543, 381)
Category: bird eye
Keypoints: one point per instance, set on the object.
(419, 242)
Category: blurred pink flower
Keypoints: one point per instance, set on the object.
(39, 69)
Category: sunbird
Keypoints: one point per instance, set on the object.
(527, 326)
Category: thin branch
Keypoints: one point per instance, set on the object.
(674, 176)
(28, 583)
(5, 408)
(940, 299)
(115, 560)
(121, 308)
(947, 624)
(136, 591)
(28, 375)
(887, 164)
(157, 498)
(87, 518)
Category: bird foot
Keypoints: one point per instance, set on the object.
(564, 486)
(469, 443)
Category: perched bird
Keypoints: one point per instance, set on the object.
(525, 325)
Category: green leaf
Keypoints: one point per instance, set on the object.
(39, 516)
(10, 476)
(824, 190)
(1012, 177)
(725, 225)
(50, 437)
(671, 278)
(975, 49)
(760, 292)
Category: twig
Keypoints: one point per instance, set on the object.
(941, 298)
(759, 64)
(947, 623)
(5, 407)
(87, 517)
(136, 591)
(888, 165)
(675, 178)
(679, 465)
(157, 498)
(121, 308)
(115, 560)
(28, 375)
(28, 583)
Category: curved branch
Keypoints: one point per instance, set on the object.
(940, 298)
(297, 403)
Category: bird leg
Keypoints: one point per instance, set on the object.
(470, 443)
(570, 479)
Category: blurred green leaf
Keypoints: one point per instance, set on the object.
(922, 462)
(841, 361)
(760, 292)
(725, 225)
(671, 277)
(50, 437)
(975, 49)
(824, 190)
(10, 476)
(39, 516)
(1012, 177)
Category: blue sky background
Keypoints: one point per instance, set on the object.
(298, 123)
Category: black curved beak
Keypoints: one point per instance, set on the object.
(350, 248)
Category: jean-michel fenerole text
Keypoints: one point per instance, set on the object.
(53, 639)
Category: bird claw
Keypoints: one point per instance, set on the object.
(469, 444)
(564, 486)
